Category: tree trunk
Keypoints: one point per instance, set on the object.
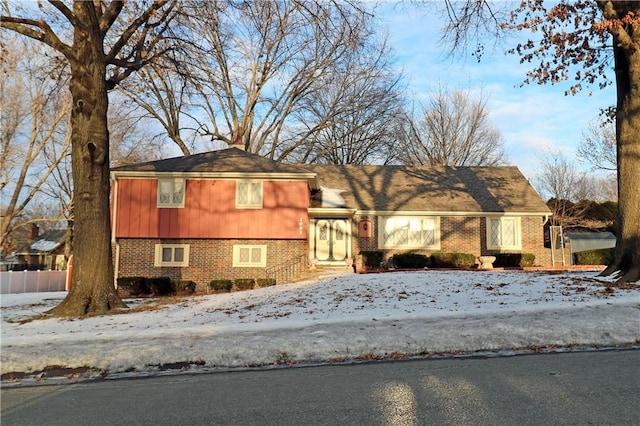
(92, 284)
(626, 264)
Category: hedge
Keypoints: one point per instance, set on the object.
(244, 283)
(136, 286)
(371, 259)
(452, 260)
(161, 286)
(410, 260)
(594, 257)
(514, 260)
(185, 286)
(266, 282)
(139, 286)
(221, 285)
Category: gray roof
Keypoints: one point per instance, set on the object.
(582, 241)
(46, 242)
(427, 188)
(379, 188)
(231, 160)
(589, 236)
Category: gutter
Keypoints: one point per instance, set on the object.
(311, 178)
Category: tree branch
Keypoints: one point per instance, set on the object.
(62, 8)
(110, 15)
(135, 25)
(46, 35)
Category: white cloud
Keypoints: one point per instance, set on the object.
(523, 114)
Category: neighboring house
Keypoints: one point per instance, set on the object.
(232, 214)
(42, 251)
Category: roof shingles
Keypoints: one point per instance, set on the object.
(379, 188)
(230, 160)
(426, 188)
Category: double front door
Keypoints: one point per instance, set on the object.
(331, 240)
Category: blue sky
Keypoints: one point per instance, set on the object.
(532, 119)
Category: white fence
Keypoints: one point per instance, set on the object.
(32, 281)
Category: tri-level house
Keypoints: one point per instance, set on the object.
(233, 214)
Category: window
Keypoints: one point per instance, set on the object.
(60, 263)
(409, 232)
(250, 256)
(171, 255)
(503, 233)
(248, 194)
(171, 192)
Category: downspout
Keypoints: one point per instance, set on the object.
(115, 267)
(114, 242)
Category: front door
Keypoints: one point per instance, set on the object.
(331, 240)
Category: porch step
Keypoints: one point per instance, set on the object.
(330, 270)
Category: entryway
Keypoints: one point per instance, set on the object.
(331, 240)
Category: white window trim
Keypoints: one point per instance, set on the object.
(157, 259)
(518, 233)
(236, 256)
(171, 204)
(249, 205)
(381, 227)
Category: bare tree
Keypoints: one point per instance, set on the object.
(128, 144)
(131, 138)
(605, 188)
(351, 117)
(580, 41)
(564, 186)
(33, 119)
(452, 129)
(276, 77)
(162, 92)
(262, 58)
(59, 190)
(102, 43)
(598, 146)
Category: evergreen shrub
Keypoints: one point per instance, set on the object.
(452, 260)
(514, 260)
(221, 285)
(594, 257)
(371, 259)
(244, 283)
(161, 286)
(266, 282)
(185, 286)
(136, 286)
(410, 260)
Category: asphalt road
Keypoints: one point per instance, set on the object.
(584, 388)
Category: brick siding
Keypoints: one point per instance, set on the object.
(209, 259)
(462, 235)
(213, 258)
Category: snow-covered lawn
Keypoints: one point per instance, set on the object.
(341, 317)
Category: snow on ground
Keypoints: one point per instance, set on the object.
(341, 317)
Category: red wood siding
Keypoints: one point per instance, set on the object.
(210, 212)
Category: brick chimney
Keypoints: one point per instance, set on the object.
(237, 143)
(33, 231)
